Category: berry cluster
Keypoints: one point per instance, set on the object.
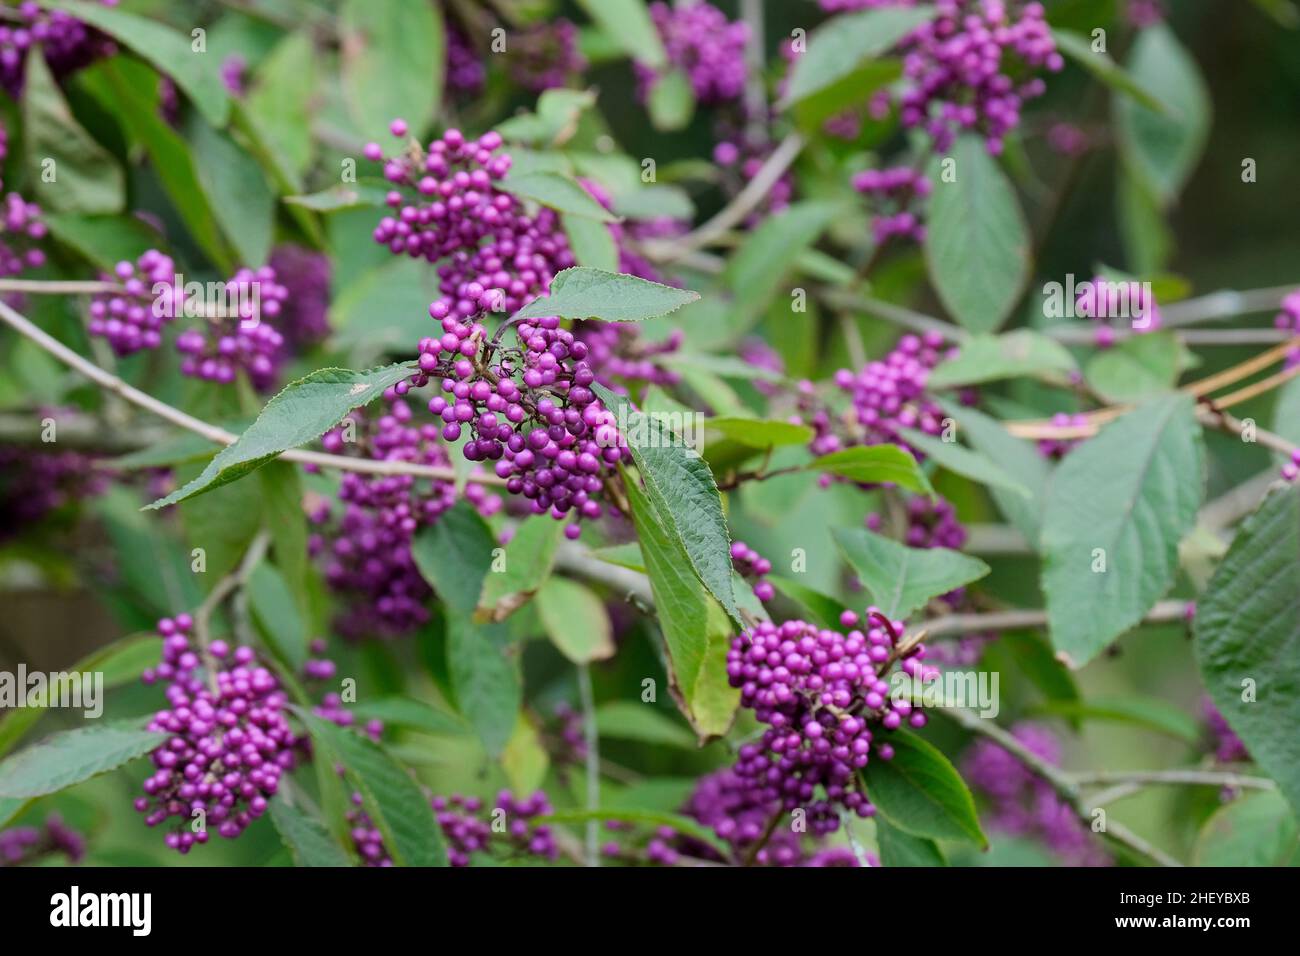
(35, 483)
(1103, 299)
(545, 55)
(66, 42)
(132, 319)
(930, 524)
(885, 395)
(701, 42)
(893, 193)
(20, 229)
(750, 564)
(961, 69)
(739, 813)
(367, 552)
(20, 846)
(305, 277)
(1228, 747)
(465, 71)
(1057, 448)
(1025, 805)
(820, 692)
(467, 831)
(229, 742)
(242, 340)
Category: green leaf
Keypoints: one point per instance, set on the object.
(624, 555)
(1131, 491)
(823, 609)
(977, 246)
(302, 412)
(1015, 354)
(485, 683)
(120, 663)
(1286, 413)
(901, 579)
(628, 720)
(308, 840)
(843, 44)
(962, 461)
(1247, 637)
(524, 758)
(1256, 829)
(672, 101)
(558, 113)
(628, 23)
(575, 620)
(557, 192)
(408, 712)
(1019, 457)
(529, 557)
(67, 758)
(385, 308)
(846, 94)
(681, 489)
(454, 554)
(1079, 49)
(900, 848)
(760, 432)
(1148, 240)
(582, 293)
(1139, 367)
(237, 192)
(286, 521)
(280, 101)
(276, 611)
(85, 177)
(170, 52)
(1284, 12)
(695, 628)
(222, 523)
(920, 792)
(592, 244)
(103, 240)
(1163, 149)
(759, 268)
(392, 64)
(362, 193)
(390, 796)
(875, 465)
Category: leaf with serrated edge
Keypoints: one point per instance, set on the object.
(73, 756)
(585, 293)
(901, 579)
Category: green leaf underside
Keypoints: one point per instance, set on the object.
(875, 465)
(842, 45)
(920, 792)
(1131, 491)
(900, 848)
(484, 681)
(962, 461)
(529, 558)
(586, 293)
(1257, 829)
(301, 413)
(575, 620)
(73, 756)
(990, 358)
(901, 579)
(308, 841)
(1247, 637)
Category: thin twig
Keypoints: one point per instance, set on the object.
(947, 624)
(222, 590)
(1198, 778)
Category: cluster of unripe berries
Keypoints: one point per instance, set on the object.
(822, 695)
(708, 48)
(893, 193)
(229, 739)
(1025, 805)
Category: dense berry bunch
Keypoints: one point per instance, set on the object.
(470, 828)
(35, 483)
(893, 193)
(465, 71)
(964, 69)
(304, 274)
(702, 43)
(132, 319)
(930, 524)
(67, 43)
(1103, 300)
(20, 230)
(20, 846)
(239, 338)
(885, 395)
(820, 693)
(545, 55)
(229, 741)
(738, 813)
(750, 564)
(367, 551)
(1025, 805)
